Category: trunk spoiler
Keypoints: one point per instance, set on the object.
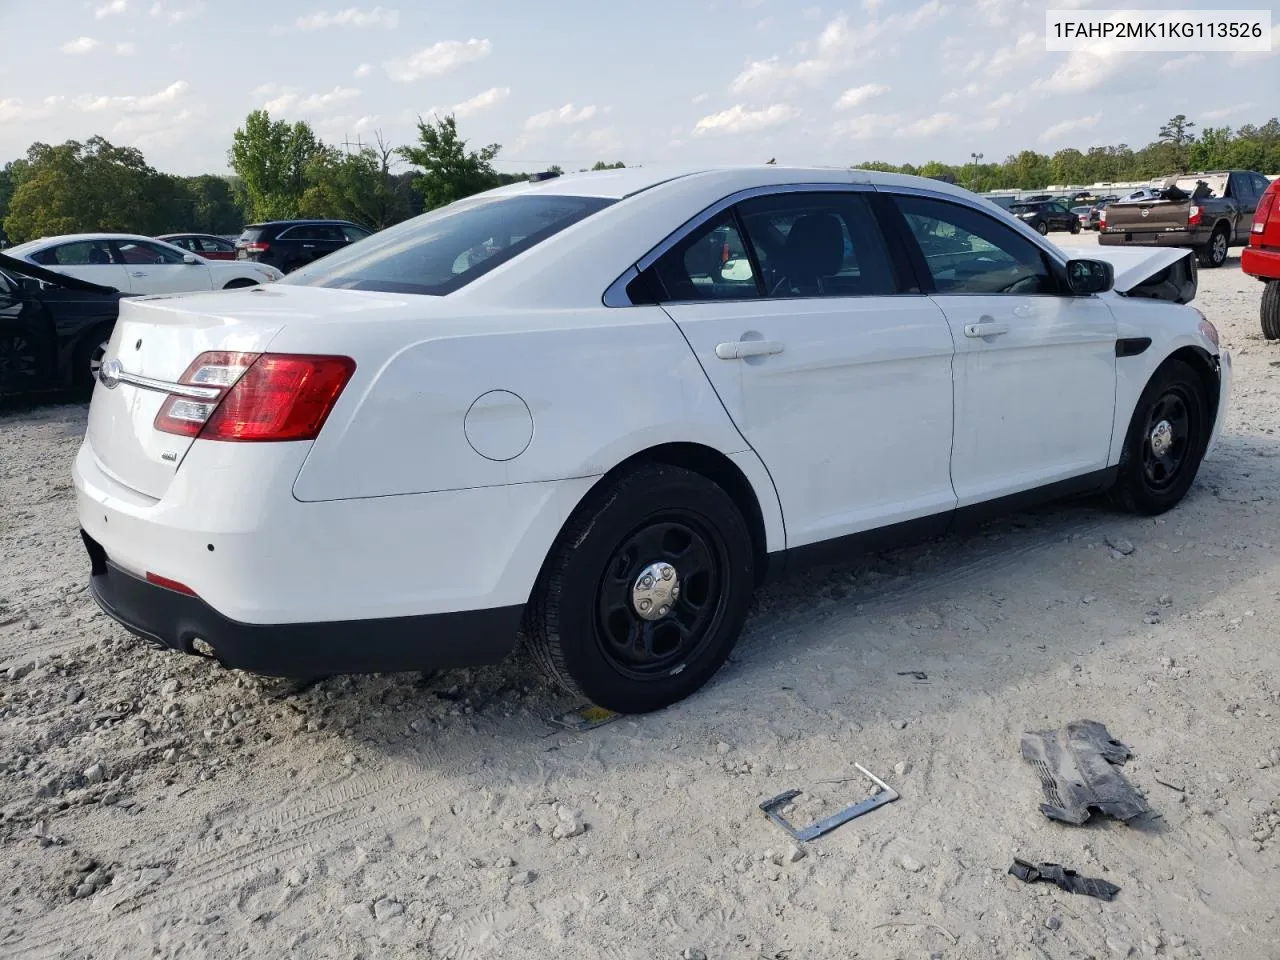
(26, 269)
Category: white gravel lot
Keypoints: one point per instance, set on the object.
(156, 805)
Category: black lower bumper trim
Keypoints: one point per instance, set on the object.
(167, 618)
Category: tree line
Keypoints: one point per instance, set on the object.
(283, 170)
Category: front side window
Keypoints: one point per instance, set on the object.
(709, 264)
(812, 244)
(970, 252)
(139, 251)
(439, 252)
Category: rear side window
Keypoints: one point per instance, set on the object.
(354, 233)
(444, 250)
(78, 253)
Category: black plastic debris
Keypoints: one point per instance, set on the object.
(1068, 880)
(1078, 773)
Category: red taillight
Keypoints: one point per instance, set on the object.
(1193, 215)
(257, 246)
(168, 584)
(267, 397)
(1102, 217)
(1265, 206)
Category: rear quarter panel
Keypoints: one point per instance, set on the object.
(599, 385)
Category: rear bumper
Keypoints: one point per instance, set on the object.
(173, 620)
(1141, 238)
(1261, 263)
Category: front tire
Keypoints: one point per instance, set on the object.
(1215, 254)
(90, 353)
(645, 592)
(1165, 443)
(1271, 310)
(1042, 227)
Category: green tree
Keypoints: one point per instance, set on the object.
(88, 186)
(1177, 136)
(449, 170)
(601, 165)
(271, 157)
(211, 205)
(355, 186)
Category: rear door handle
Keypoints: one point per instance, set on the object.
(737, 349)
(308, 246)
(985, 329)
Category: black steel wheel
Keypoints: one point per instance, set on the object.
(1166, 442)
(645, 592)
(1269, 312)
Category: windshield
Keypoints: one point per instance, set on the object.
(444, 250)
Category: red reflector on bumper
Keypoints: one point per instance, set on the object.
(168, 584)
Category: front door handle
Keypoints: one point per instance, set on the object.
(308, 246)
(138, 273)
(976, 331)
(738, 349)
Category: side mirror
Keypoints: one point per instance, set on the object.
(29, 285)
(738, 269)
(1090, 276)
(189, 258)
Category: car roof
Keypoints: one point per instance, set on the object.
(44, 242)
(295, 223)
(621, 183)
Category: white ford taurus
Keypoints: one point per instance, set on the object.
(597, 409)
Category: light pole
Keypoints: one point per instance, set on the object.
(977, 159)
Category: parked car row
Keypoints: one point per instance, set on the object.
(59, 296)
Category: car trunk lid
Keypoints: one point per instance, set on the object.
(154, 341)
(1148, 216)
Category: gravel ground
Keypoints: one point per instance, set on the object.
(155, 805)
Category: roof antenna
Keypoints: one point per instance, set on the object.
(772, 161)
(544, 175)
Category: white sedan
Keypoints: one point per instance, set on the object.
(139, 265)
(597, 409)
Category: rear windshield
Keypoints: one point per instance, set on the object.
(446, 249)
(1024, 208)
(1215, 184)
(251, 234)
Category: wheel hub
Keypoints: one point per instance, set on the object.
(1161, 438)
(655, 591)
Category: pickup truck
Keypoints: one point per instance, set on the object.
(1261, 259)
(1208, 212)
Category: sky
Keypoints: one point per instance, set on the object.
(575, 81)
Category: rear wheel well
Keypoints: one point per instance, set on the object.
(717, 468)
(1206, 368)
(239, 282)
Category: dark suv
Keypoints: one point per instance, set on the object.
(1046, 215)
(290, 244)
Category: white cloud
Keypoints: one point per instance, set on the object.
(602, 142)
(761, 74)
(967, 92)
(738, 119)
(699, 98)
(871, 6)
(1081, 72)
(437, 59)
(362, 71)
(350, 17)
(928, 126)
(1028, 46)
(79, 45)
(1223, 112)
(765, 25)
(568, 114)
(1056, 131)
(161, 9)
(986, 124)
(481, 101)
(166, 97)
(111, 8)
(320, 102)
(1003, 102)
(1245, 57)
(856, 96)
(868, 125)
(126, 48)
(1180, 63)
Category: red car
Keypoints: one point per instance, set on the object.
(1261, 258)
(202, 244)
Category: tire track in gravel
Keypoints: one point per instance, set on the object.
(313, 823)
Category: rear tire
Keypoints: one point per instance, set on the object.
(1165, 443)
(1042, 227)
(1271, 310)
(584, 625)
(1075, 227)
(1215, 254)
